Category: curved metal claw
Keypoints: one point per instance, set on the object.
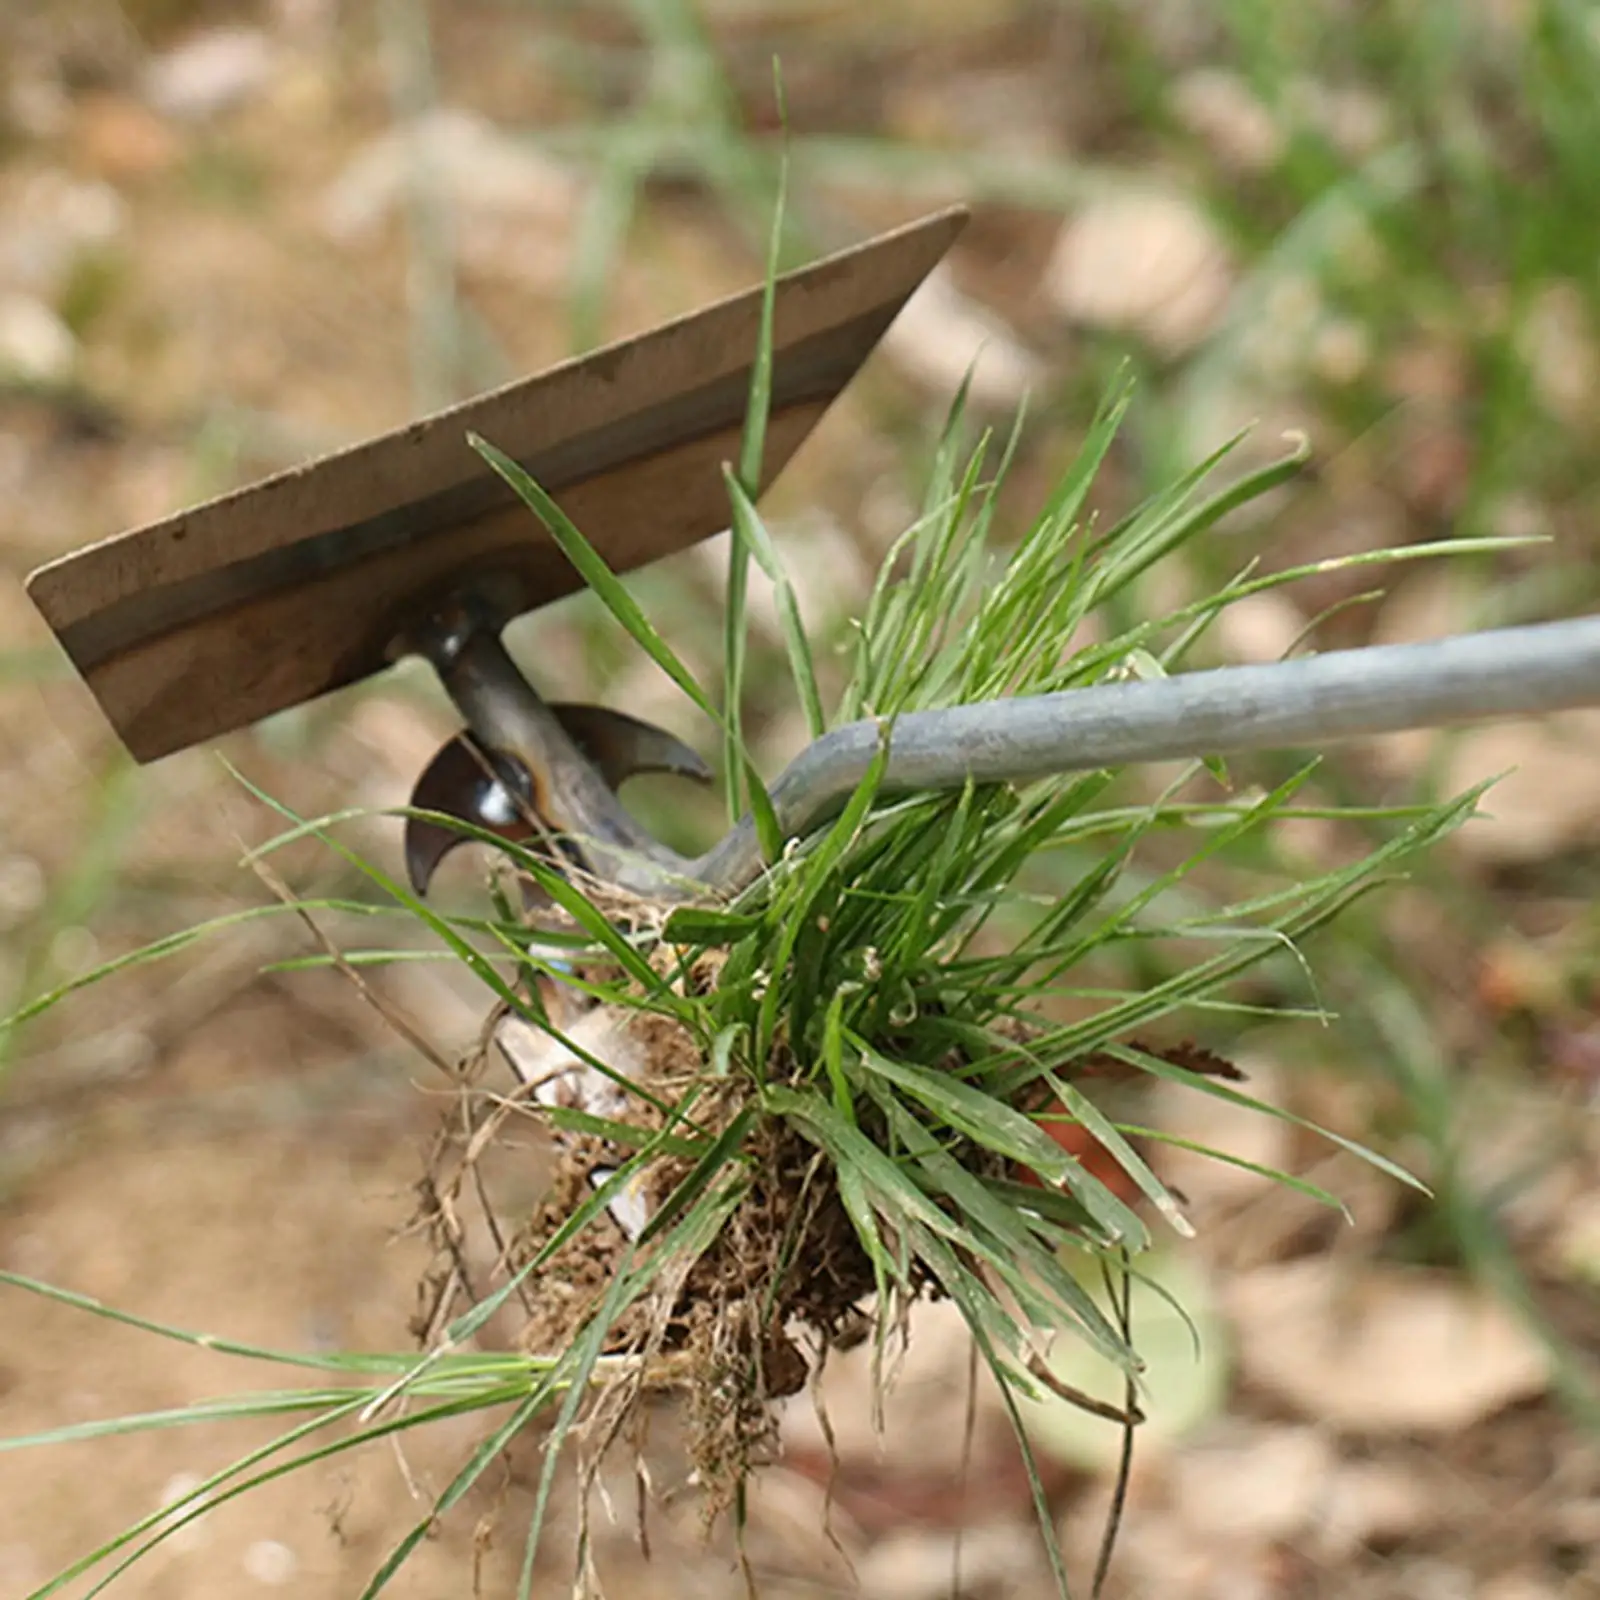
(500, 793)
(478, 785)
(622, 747)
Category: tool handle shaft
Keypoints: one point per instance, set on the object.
(1345, 694)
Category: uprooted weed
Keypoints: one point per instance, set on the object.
(846, 1087)
(868, 1076)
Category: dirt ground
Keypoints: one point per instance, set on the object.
(205, 275)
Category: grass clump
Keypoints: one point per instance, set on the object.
(872, 1075)
(869, 1076)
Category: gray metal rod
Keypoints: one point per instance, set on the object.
(1345, 694)
(1311, 702)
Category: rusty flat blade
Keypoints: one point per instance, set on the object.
(281, 591)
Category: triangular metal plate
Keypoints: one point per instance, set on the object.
(281, 591)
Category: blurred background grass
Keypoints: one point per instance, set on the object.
(233, 236)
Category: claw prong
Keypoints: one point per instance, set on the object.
(483, 787)
(622, 747)
(505, 794)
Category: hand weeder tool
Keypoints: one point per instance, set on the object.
(322, 575)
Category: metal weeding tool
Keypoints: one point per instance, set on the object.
(317, 577)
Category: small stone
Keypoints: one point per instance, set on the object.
(1368, 1501)
(942, 337)
(121, 140)
(193, 1535)
(74, 950)
(1253, 1482)
(271, 1562)
(511, 205)
(1576, 1247)
(1352, 119)
(210, 73)
(36, 346)
(1341, 352)
(1147, 262)
(1557, 341)
(1519, 1586)
(1384, 1350)
(22, 889)
(916, 1564)
(1219, 108)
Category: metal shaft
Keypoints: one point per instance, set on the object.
(1311, 702)
(1342, 695)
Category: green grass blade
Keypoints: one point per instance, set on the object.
(972, 1113)
(487, 1451)
(592, 568)
(583, 1355)
(750, 531)
(204, 1341)
(752, 452)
